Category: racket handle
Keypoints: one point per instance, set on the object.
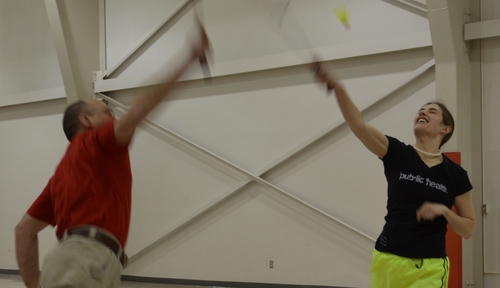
(329, 86)
(206, 70)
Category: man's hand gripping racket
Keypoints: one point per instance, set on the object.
(201, 49)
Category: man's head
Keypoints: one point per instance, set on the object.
(85, 115)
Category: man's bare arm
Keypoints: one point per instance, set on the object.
(144, 104)
(27, 249)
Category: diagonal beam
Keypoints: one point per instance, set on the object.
(397, 85)
(56, 28)
(414, 5)
(75, 30)
(150, 39)
(218, 163)
(174, 228)
(283, 60)
(32, 96)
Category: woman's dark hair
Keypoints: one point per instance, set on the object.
(71, 123)
(447, 120)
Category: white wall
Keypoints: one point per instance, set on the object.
(32, 141)
(32, 144)
(318, 180)
(492, 162)
(491, 90)
(252, 120)
(251, 130)
(28, 63)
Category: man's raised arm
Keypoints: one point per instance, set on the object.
(144, 104)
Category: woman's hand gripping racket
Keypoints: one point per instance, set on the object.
(324, 76)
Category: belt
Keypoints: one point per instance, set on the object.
(98, 235)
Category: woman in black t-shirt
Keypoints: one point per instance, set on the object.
(423, 185)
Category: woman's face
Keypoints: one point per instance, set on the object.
(429, 119)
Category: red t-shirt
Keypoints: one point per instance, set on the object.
(91, 186)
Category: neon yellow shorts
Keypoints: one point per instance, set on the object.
(389, 270)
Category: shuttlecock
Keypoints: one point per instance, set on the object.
(343, 15)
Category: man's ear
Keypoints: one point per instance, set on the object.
(84, 120)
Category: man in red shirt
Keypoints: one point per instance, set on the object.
(88, 198)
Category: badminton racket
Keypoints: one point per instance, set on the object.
(283, 20)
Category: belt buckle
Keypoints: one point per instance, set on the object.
(64, 236)
(92, 232)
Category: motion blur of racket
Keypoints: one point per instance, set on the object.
(282, 19)
(205, 68)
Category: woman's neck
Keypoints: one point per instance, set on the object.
(427, 153)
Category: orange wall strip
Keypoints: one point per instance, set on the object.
(454, 242)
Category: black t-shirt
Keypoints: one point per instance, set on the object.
(410, 183)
